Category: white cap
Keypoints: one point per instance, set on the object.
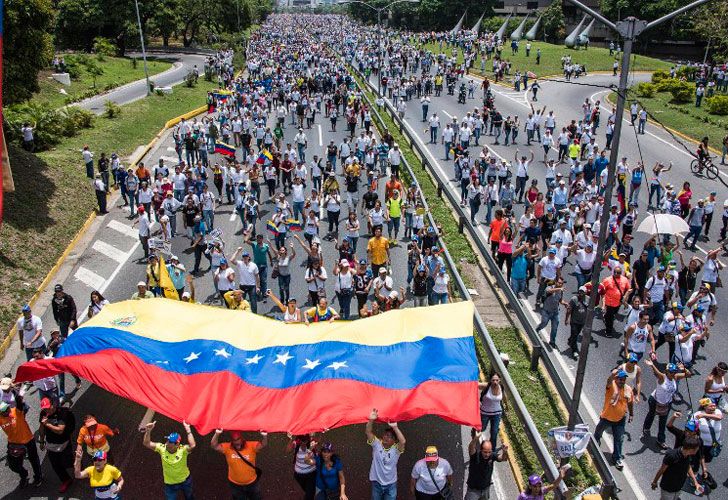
(6, 383)
(141, 283)
(394, 294)
(186, 295)
(344, 262)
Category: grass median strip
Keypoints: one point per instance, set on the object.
(53, 197)
(533, 387)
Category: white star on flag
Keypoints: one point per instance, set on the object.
(193, 356)
(310, 365)
(254, 360)
(338, 364)
(283, 358)
(222, 352)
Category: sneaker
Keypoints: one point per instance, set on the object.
(662, 446)
(37, 481)
(65, 485)
(553, 345)
(574, 355)
(619, 465)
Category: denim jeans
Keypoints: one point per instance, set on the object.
(655, 189)
(298, 209)
(439, 298)
(171, 490)
(448, 145)
(694, 234)
(249, 293)
(552, 317)
(617, 434)
(384, 492)
(494, 421)
(345, 303)
(518, 285)
(284, 287)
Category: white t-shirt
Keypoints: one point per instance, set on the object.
(705, 425)
(384, 463)
(549, 267)
(28, 328)
(424, 482)
(246, 274)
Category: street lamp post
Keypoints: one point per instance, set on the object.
(144, 52)
(379, 11)
(629, 29)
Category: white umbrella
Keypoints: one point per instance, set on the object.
(663, 224)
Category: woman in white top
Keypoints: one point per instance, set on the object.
(660, 401)
(491, 406)
(709, 419)
(333, 211)
(311, 226)
(291, 313)
(352, 230)
(715, 385)
(344, 286)
(377, 216)
(98, 302)
(430, 475)
(304, 472)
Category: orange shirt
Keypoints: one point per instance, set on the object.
(238, 471)
(389, 188)
(95, 439)
(614, 289)
(16, 427)
(615, 413)
(496, 228)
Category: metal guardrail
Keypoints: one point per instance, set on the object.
(609, 484)
(181, 50)
(534, 437)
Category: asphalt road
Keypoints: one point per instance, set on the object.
(183, 64)
(642, 455)
(109, 262)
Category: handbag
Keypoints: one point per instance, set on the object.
(446, 491)
(716, 447)
(275, 272)
(258, 470)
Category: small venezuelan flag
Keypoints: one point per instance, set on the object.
(271, 227)
(294, 225)
(224, 149)
(268, 154)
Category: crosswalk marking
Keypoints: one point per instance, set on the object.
(123, 229)
(89, 278)
(109, 250)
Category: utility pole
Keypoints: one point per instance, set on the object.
(629, 29)
(144, 52)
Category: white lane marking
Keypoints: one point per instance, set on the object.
(321, 137)
(123, 229)
(110, 251)
(444, 112)
(89, 278)
(632, 481)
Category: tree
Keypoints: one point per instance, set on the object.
(553, 25)
(165, 21)
(711, 23)
(28, 46)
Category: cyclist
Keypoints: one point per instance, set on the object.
(703, 153)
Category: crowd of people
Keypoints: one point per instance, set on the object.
(548, 233)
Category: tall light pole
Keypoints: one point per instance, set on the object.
(629, 29)
(144, 52)
(379, 11)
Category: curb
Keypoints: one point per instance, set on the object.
(86, 225)
(608, 98)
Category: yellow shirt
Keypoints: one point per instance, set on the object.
(108, 475)
(377, 248)
(574, 150)
(243, 305)
(395, 207)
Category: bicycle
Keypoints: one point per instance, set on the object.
(705, 167)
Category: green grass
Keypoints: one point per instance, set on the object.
(117, 71)
(594, 58)
(53, 197)
(533, 387)
(685, 118)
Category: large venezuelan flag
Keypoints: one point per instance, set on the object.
(218, 368)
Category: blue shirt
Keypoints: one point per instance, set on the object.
(601, 164)
(519, 268)
(328, 479)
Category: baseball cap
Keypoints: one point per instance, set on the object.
(362, 262)
(223, 261)
(699, 308)
(141, 283)
(100, 455)
(344, 262)
(420, 268)
(26, 308)
(329, 447)
(621, 374)
(707, 286)
(552, 250)
(140, 209)
(435, 248)
(691, 425)
(661, 268)
(672, 368)
(633, 358)
(394, 294)
(58, 288)
(89, 422)
(431, 454)
(186, 295)
(4, 407)
(246, 254)
(45, 403)
(174, 437)
(534, 479)
(382, 270)
(6, 383)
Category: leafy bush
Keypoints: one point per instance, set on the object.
(190, 80)
(682, 92)
(73, 67)
(111, 109)
(687, 72)
(717, 105)
(103, 48)
(45, 120)
(668, 84)
(659, 75)
(645, 89)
